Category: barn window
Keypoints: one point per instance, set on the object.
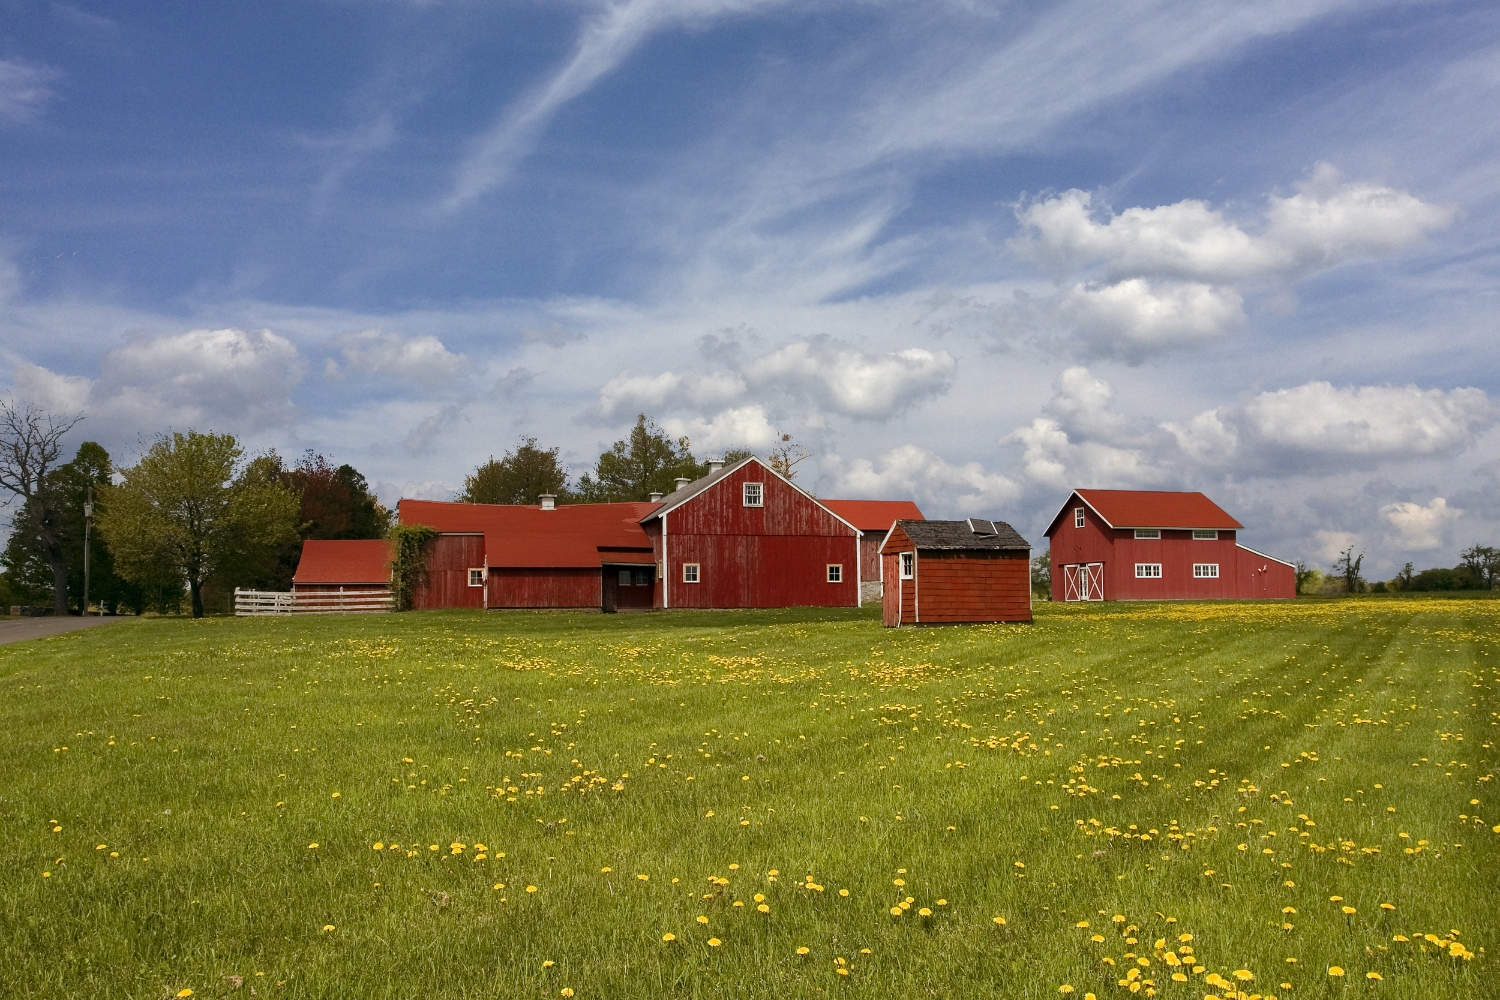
(835, 572)
(624, 577)
(908, 565)
(1148, 571)
(1148, 532)
(689, 572)
(476, 577)
(754, 494)
(641, 577)
(1206, 571)
(1077, 517)
(1205, 534)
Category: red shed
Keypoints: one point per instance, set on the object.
(943, 572)
(745, 537)
(873, 518)
(343, 575)
(1133, 545)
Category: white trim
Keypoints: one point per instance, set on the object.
(1079, 520)
(760, 494)
(666, 568)
(901, 564)
(1205, 534)
(697, 573)
(916, 587)
(1066, 509)
(859, 570)
(828, 569)
(667, 508)
(1264, 556)
(1148, 567)
(1148, 534)
(482, 574)
(1211, 571)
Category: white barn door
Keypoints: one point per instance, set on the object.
(1083, 582)
(1070, 582)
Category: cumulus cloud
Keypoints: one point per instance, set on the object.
(24, 89)
(1137, 317)
(1331, 544)
(841, 379)
(628, 393)
(1415, 528)
(912, 472)
(225, 379)
(741, 427)
(423, 360)
(1083, 441)
(1318, 422)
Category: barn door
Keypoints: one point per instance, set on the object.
(1070, 583)
(1091, 578)
(611, 590)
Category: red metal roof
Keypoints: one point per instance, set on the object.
(1152, 509)
(526, 536)
(344, 561)
(874, 515)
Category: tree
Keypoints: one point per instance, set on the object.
(1041, 576)
(644, 463)
(1482, 562)
(30, 445)
(523, 475)
(1347, 566)
(1307, 579)
(785, 455)
(183, 508)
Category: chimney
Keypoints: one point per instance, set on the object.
(655, 497)
(549, 501)
(714, 465)
(681, 482)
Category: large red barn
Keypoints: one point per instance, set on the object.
(1143, 545)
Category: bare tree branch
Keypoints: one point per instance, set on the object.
(30, 446)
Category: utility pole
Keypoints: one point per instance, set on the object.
(88, 523)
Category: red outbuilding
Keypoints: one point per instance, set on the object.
(1143, 545)
(873, 518)
(343, 575)
(745, 537)
(944, 572)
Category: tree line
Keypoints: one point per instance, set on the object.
(196, 516)
(1478, 569)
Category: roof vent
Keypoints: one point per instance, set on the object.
(714, 465)
(549, 501)
(980, 526)
(655, 497)
(682, 481)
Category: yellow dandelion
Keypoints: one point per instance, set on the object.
(377, 846)
(669, 936)
(1244, 975)
(1387, 906)
(644, 878)
(1000, 921)
(1373, 975)
(803, 950)
(924, 912)
(1334, 970)
(1081, 923)
(548, 964)
(896, 911)
(327, 927)
(531, 888)
(763, 908)
(604, 870)
(714, 942)
(566, 991)
(1349, 911)
(843, 892)
(702, 919)
(184, 993)
(1065, 988)
(842, 971)
(313, 846)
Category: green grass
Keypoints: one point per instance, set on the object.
(162, 783)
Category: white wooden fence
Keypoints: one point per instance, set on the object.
(328, 602)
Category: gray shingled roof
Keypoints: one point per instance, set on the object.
(962, 535)
(678, 497)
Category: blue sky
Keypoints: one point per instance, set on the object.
(970, 253)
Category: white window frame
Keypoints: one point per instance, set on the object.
(1148, 571)
(908, 565)
(1205, 534)
(753, 494)
(1151, 533)
(476, 576)
(835, 573)
(1205, 571)
(1077, 517)
(692, 573)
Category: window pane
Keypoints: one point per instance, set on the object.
(624, 577)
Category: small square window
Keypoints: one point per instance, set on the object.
(624, 577)
(835, 572)
(1148, 532)
(1206, 571)
(1077, 517)
(754, 494)
(1205, 534)
(908, 565)
(641, 577)
(476, 577)
(689, 572)
(1148, 571)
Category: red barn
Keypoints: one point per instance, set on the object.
(1144, 545)
(345, 574)
(873, 518)
(943, 572)
(745, 537)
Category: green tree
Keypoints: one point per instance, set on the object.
(183, 508)
(1041, 576)
(1347, 566)
(1482, 564)
(524, 474)
(1308, 580)
(30, 446)
(646, 462)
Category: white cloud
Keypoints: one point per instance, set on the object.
(205, 379)
(1332, 544)
(1083, 441)
(911, 472)
(1415, 528)
(419, 359)
(847, 381)
(1372, 421)
(628, 393)
(1137, 317)
(23, 89)
(741, 427)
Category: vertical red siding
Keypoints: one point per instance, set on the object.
(898, 603)
(449, 559)
(869, 556)
(773, 556)
(545, 588)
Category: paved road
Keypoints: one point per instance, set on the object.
(20, 629)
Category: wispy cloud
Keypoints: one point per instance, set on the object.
(24, 89)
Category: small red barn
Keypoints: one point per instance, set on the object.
(344, 574)
(941, 572)
(1142, 545)
(873, 518)
(745, 537)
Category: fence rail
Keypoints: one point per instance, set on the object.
(283, 602)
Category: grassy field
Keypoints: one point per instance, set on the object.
(1175, 800)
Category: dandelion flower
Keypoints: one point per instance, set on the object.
(842, 971)
(714, 942)
(313, 846)
(377, 846)
(644, 878)
(924, 912)
(604, 870)
(566, 991)
(1349, 911)
(702, 919)
(1387, 906)
(184, 993)
(669, 936)
(531, 888)
(1081, 923)
(803, 950)
(843, 892)
(1000, 921)
(763, 908)
(1373, 975)
(896, 911)
(327, 927)
(548, 964)
(1334, 970)
(1065, 988)
(1244, 975)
